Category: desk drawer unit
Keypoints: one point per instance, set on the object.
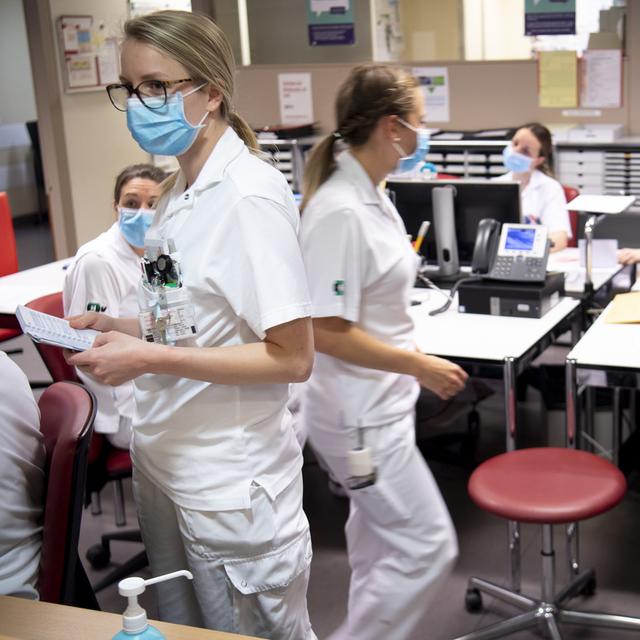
(612, 169)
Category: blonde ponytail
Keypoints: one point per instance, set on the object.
(319, 167)
(244, 131)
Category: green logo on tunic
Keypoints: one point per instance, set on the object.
(96, 306)
(338, 287)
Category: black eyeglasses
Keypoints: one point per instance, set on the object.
(152, 93)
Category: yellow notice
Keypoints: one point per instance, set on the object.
(557, 79)
(625, 309)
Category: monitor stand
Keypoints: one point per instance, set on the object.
(445, 230)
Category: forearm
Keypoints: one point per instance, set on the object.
(255, 363)
(130, 326)
(560, 240)
(356, 346)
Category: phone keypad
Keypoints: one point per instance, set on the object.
(518, 268)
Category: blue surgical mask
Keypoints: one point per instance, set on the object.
(409, 162)
(134, 224)
(514, 161)
(163, 131)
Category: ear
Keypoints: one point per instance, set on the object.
(539, 161)
(390, 127)
(215, 99)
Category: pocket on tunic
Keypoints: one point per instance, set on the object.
(275, 570)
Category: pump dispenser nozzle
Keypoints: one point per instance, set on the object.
(134, 619)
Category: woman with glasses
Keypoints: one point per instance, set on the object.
(225, 320)
(361, 268)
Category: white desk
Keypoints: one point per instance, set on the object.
(613, 348)
(24, 286)
(568, 261)
(470, 338)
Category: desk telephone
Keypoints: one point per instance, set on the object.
(518, 252)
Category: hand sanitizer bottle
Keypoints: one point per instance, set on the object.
(134, 619)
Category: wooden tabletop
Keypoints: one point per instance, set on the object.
(22, 619)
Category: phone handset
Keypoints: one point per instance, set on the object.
(486, 245)
(484, 251)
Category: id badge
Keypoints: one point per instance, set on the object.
(148, 327)
(180, 322)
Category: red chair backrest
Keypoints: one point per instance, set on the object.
(8, 252)
(67, 412)
(570, 193)
(53, 357)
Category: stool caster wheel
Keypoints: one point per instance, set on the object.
(98, 556)
(473, 601)
(589, 588)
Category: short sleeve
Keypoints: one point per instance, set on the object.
(555, 214)
(91, 279)
(332, 252)
(265, 282)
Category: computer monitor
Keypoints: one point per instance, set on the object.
(473, 200)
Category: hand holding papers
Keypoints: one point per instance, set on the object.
(42, 327)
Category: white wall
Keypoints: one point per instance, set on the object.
(98, 144)
(17, 106)
(17, 102)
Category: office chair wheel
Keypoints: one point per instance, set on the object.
(473, 422)
(473, 601)
(98, 556)
(589, 588)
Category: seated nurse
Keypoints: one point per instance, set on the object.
(104, 276)
(529, 159)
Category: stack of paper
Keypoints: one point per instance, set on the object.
(625, 309)
(42, 327)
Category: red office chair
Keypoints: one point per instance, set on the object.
(106, 463)
(8, 258)
(67, 412)
(570, 193)
(545, 486)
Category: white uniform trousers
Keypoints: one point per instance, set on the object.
(250, 566)
(400, 538)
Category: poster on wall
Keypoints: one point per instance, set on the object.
(601, 78)
(549, 17)
(296, 100)
(90, 61)
(143, 7)
(388, 43)
(434, 84)
(330, 22)
(557, 79)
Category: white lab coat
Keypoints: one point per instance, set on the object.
(217, 467)
(106, 271)
(543, 201)
(22, 459)
(400, 539)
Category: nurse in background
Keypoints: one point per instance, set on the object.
(529, 159)
(104, 277)
(367, 374)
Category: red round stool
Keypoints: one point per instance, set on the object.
(545, 486)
